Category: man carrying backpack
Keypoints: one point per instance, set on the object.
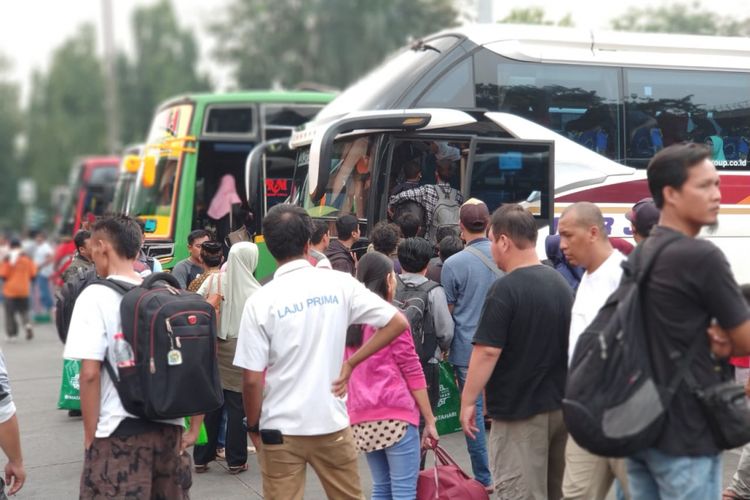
(466, 278)
(125, 456)
(426, 308)
(584, 242)
(441, 202)
(690, 286)
(520, 355)
(82, 259)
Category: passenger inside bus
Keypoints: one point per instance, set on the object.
(350, 177)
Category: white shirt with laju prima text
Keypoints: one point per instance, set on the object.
(592, 293)
(295, 328)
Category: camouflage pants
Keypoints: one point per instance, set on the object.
(147, 465)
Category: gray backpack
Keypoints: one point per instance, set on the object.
(446, 211)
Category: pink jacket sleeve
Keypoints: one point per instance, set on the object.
(407, 360)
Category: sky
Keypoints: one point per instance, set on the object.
(31, 29)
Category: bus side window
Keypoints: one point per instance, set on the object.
(665, 107)
(580, 102)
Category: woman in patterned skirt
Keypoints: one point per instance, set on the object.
(387, 393)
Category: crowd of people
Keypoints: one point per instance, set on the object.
(338, 353)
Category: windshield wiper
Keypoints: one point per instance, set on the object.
(420, 46)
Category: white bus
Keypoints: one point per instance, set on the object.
(622, 96)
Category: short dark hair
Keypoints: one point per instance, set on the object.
(80, 238)
(373, 270)
(345, 226)
(516, 223)
(123, 232)
(414, 254)
(320, 229)
(409, 225)
(450, 245)
(212, 253)
(198, 234)
(412, 169)
(669, 167)
(444, 169)
(445, 231)
(385, 237)
(287, 229)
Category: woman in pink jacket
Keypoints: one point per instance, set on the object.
(387, 392)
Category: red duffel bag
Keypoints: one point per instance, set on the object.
(447, 481)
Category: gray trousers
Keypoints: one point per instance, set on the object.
(528, 457)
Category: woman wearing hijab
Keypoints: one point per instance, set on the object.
(232, 288)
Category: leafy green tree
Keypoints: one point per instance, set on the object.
(534, 15)
(675, 18)
(165, 64)
(66, 116)
(690, 18)
(10, 128)
(331, 42)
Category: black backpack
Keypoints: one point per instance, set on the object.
(158, 319)
(613, 406)
(414, 300)
(65, 298)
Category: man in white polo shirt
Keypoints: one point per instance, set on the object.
(294, 328)
(584, 241)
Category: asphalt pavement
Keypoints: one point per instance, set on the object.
(52, 442)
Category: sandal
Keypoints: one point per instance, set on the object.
(200, 469)
(236, 469)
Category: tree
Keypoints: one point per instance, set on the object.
(66, 116)
(10, 128)
(331, 42)
(534, 15)
(678, 18)
(165, 64)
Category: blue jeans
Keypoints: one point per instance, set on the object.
(395, 469)
(222, 440)
(477, 447)
(653, 474)
(45, 294)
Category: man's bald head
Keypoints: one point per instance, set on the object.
(585, 214)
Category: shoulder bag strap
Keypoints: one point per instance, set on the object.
(477, 252)
(643, 271)
(123, 288)
(683, 372)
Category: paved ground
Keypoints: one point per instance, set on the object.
(53, 443)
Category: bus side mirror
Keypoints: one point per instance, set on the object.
(149, 172)
(132, 163)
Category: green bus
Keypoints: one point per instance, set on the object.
(199, 144)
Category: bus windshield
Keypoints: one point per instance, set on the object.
(348, 181)
(157, 191)
(380, 88)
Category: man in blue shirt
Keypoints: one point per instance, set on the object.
(466, 277)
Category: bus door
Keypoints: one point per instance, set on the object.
(269, 176)
(502, 171)
(497, 171)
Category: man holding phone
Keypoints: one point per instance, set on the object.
(294, 329)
